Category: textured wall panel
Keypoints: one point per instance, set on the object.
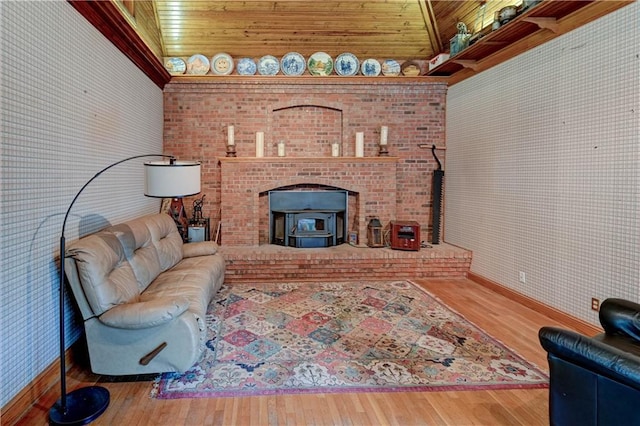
(542, 173)
(71, 105)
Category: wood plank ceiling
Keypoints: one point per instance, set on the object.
(380, 29)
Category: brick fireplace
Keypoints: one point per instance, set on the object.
(310, 116)
(370, 183)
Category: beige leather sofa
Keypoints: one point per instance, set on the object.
(143, 295)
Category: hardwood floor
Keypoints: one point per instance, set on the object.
(506, 320)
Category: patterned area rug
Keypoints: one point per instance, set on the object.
(343, 337)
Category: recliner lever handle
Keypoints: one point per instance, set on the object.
(151, 355)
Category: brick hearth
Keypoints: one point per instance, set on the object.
(343, 262)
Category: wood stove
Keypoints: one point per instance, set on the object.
(307, 219)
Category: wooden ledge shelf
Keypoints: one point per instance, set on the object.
(309, 159)
(467, 63)
(335, 80)
(539, 24)
(544, 23)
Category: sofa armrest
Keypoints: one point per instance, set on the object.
(139, 315)
(200, 248)
(619, 316)
(592, 354)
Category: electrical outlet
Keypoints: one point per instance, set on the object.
(595, 304)
(523, 277)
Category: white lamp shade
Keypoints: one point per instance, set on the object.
(164, 179)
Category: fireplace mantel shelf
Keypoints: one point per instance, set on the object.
(309, 159)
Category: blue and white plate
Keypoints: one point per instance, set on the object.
(390, 68)
(222, 64)
(268, 65)
(370, 68)
(347, 64)
(320, 63)
(293, 64)
(246, 66)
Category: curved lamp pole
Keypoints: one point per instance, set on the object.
(163, 180)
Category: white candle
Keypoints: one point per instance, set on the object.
(359, 144)
(335, 150)
(259, 144)
(230, 136)
(280, 149)
(384, 132)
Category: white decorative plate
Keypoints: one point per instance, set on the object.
(222, 64)
(268, 65)
(246, 66)
(175, 66)
(347, 64)
(390, 68)
(320, 63)
(198, 64)
(293, 64)
(370, 68)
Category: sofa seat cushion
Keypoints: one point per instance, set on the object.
(195, 278)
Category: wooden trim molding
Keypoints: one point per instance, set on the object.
(587, 11)
(576, 324)
(106, 17)
(335, 80)
(312, 160)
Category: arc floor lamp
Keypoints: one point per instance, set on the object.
(163, 179)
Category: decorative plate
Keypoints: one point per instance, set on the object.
(320, 63)
(411, 69)
(293, 64)
(390, 68)
(198, 64)
(370, 68)
(175, 66)
(222, 64)
(246, 66)
(268, 65)
(347, 64)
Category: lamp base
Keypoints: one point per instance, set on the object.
(84, 405)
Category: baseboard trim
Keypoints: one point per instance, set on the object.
(574, 323)
(30, 394)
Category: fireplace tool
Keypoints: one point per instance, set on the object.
(438, 176)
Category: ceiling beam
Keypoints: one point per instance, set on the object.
(429, 18)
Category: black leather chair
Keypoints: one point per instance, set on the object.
(596, 380)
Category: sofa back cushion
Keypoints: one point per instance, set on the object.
(139, 250)
(165, 238)
(106, 276)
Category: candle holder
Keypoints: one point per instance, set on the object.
(231, 150)
(383, 152)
